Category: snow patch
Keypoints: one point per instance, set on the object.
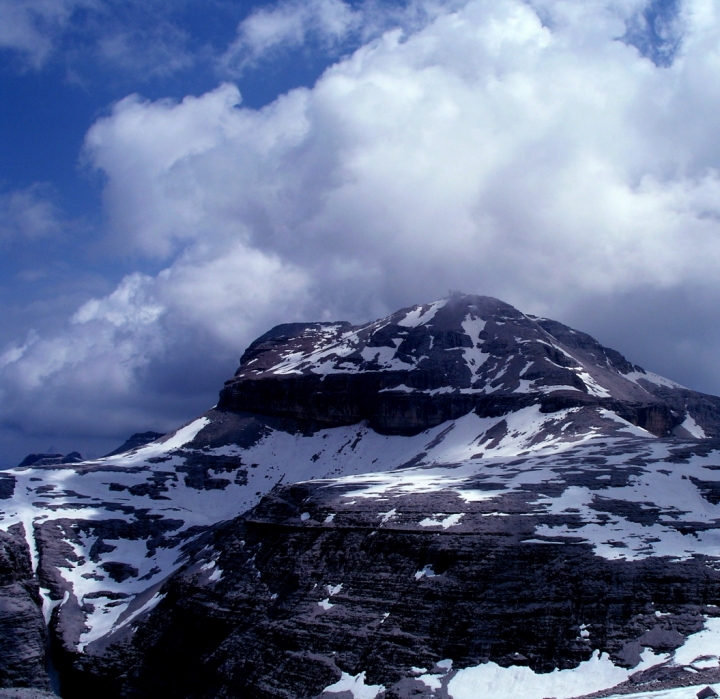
(421, 315)
(693, 428)
(474, 357)
(593, 387)
(181, 437)
(426, 572)
(385, 517)
(628, 426)
(636, 376)
(703, 645)
(432, 682)
(448, 521)
(400, 387)
(519, 682)
(355, 684)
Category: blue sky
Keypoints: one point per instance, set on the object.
(57, 85)
(176, 178)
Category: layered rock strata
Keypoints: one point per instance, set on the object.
(361, 577)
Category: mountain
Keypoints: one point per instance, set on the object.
(425, 365)
(139, 439)
(45, 459)
(458, 500)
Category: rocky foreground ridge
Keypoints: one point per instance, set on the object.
(458, 500)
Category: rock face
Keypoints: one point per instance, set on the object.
(453, 501)
(73, 457)
(22, 627)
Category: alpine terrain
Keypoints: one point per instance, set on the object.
(456, 501)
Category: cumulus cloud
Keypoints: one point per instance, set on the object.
(147, 353)
(521, 150)
(323, 27)
(488, 126)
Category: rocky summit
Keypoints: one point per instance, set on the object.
(457, 501)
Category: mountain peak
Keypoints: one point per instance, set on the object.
(466, 342)
(431, 362)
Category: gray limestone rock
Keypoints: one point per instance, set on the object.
(301, 600)
(22, 628)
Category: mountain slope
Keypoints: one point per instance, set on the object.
(600, 559)
(459, 421)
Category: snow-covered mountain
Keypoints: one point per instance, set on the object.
(465, 436)
(427, 364)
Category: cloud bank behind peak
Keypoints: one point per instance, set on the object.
(515, 149)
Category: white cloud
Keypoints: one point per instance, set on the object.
(107, 340)
(288, 25)
(159, 49)
(143, 38)
(121, 363)
(29, 213)
(31, 27)
(322, 27)
(128, 306)
(502, 149)
(231, 292)
(485, 133)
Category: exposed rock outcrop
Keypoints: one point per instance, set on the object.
(139, 439)
(22, 627)
(73, 457)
